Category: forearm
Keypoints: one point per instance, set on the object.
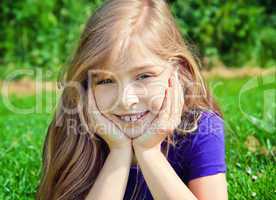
(160, 177)
(112, 180)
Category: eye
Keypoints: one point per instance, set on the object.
(105, 81)
(143, 76)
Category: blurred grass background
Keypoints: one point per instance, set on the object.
(40, 36)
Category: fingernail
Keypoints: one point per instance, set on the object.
(170, 82)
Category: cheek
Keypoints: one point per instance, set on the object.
(105, 98)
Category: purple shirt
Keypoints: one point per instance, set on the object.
(200, 153)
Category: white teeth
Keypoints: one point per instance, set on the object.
(127, 118)
(131, 118)
(134, 118)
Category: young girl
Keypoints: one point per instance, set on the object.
(135, 119)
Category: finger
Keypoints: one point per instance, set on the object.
(176, 85)
(163, 118)
(173, 96)
(181, 96)
(178, 104)
(157, 123)
(95, 115)
(166, 105)
(175, 103)
(93, 107)
(180, 93)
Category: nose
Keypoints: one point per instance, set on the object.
(130, 97)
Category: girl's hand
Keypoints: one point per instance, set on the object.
(168, 118)
(106, 129)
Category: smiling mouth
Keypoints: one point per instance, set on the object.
(132, 118)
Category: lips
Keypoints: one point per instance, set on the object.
(133, 117)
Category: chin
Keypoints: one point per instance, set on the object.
(133, 134)
(134, 130)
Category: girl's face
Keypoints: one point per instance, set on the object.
(131, 96)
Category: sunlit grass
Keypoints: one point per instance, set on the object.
(251, 169)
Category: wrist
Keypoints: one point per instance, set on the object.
(141, 149)
(123, 154)
(143, 154)
(121, 147)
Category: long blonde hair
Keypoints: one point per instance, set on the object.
(72, 159)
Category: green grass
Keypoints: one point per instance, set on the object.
(22, 138)
(245, 165)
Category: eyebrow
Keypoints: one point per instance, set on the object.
(143, 67)
(134, 69)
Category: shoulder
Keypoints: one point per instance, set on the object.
(202, 152)
(209, 133)
(209, 125)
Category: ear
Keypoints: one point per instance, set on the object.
(186, 68)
